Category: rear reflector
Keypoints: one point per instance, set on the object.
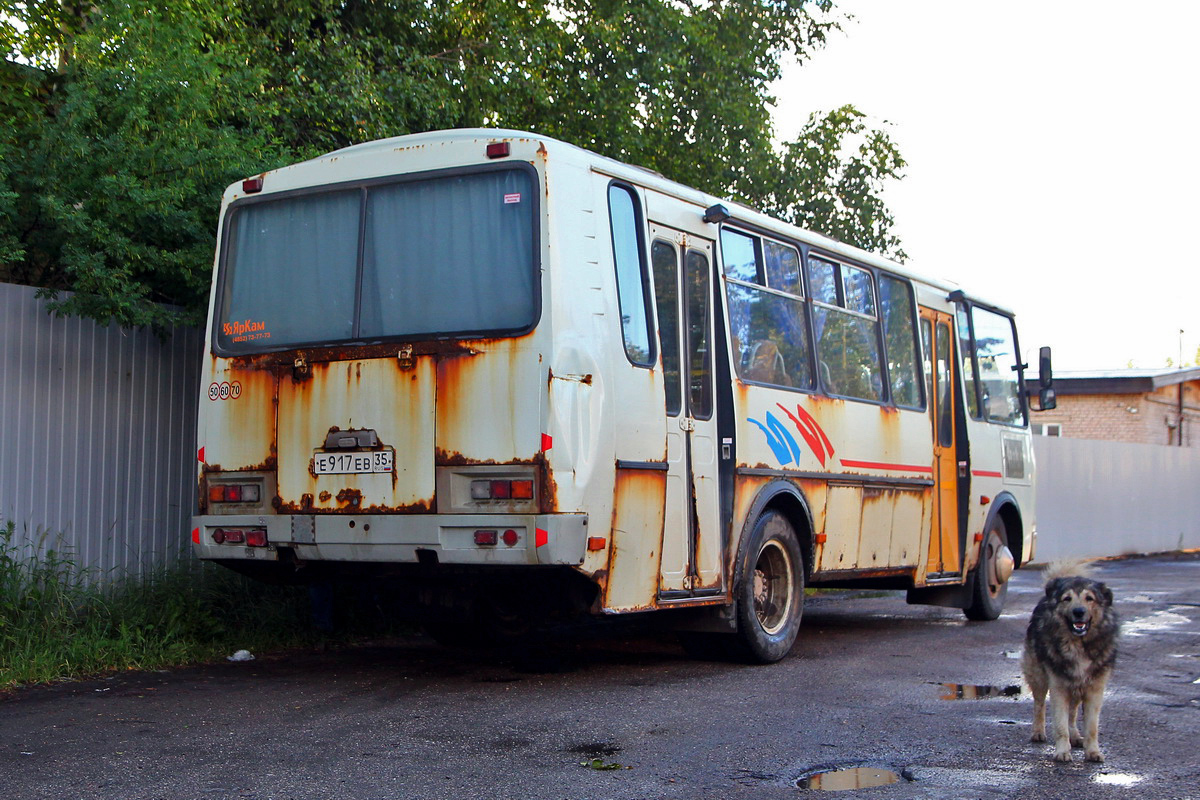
(252, 185)
(485, 538)
(256, 537)
(497, 150)
(233, 536)
(511, 538)
(597, 543)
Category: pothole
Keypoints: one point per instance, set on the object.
(839, 779)
(967, 691)
(594, 749)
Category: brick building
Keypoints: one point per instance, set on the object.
(1143, 406)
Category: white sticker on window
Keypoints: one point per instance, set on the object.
(509, 199)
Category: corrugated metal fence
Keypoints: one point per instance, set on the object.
(97, 436)
(1099, 498)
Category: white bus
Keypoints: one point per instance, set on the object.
(525, 379)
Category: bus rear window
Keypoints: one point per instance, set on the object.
(450, 255)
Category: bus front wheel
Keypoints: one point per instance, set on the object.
(770, 595)
(991, 574)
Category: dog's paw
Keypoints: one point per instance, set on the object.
(1062, 754)
(1076, 739)
(1094, 755)
(1038, 736)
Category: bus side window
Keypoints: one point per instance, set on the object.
(767, 314)
(847, 330)
(629, 258)
(900, 341)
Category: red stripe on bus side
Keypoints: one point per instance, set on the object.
(985, 473)
(878, 465)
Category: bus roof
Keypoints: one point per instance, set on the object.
(653, 180)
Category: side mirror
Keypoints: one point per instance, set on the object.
(1046, 396)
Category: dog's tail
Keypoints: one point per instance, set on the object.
(1072, 568)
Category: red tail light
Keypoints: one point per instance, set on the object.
(256, 537)
(510, 538)
(501, 490)
(498, 150)
(234, 493)
(485, 538)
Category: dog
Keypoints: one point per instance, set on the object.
(1070, 649)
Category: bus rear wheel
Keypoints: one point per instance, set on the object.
(770, 594)
(991, 574)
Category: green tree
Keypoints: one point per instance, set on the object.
(150, 117)
(133, 115)
(832, 177)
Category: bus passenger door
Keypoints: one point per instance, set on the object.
(691, 547)
(937, 344)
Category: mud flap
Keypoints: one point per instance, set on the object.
(956, 596)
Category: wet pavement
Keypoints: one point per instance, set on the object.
(877, 700)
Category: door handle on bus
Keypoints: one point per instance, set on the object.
(687, 424)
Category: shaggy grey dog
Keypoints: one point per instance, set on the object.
(1070, 648)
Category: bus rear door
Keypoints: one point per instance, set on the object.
(691, 548)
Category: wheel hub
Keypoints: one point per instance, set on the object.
(772, 588)
(1003, 565)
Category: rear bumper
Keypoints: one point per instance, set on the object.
(543, 539)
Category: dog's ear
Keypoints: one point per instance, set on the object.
(1055, 586)
(1105, 592)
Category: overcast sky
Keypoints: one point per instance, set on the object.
(1053, 156)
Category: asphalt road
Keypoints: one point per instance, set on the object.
(870, 684)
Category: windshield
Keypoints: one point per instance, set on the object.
(447, 255)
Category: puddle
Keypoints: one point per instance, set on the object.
(965, 691)
(1117, 779)
(836, 780)
(1157, 622)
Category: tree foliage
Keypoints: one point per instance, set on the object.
(126, 118)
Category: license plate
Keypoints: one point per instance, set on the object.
(351, 463)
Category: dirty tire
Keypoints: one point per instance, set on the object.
(770, 591)
(988, 594)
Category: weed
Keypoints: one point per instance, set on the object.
(58, 620)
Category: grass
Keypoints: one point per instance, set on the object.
(59, 621)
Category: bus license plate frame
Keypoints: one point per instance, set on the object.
(354, 462)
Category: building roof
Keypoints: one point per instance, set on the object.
(1121, 381)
